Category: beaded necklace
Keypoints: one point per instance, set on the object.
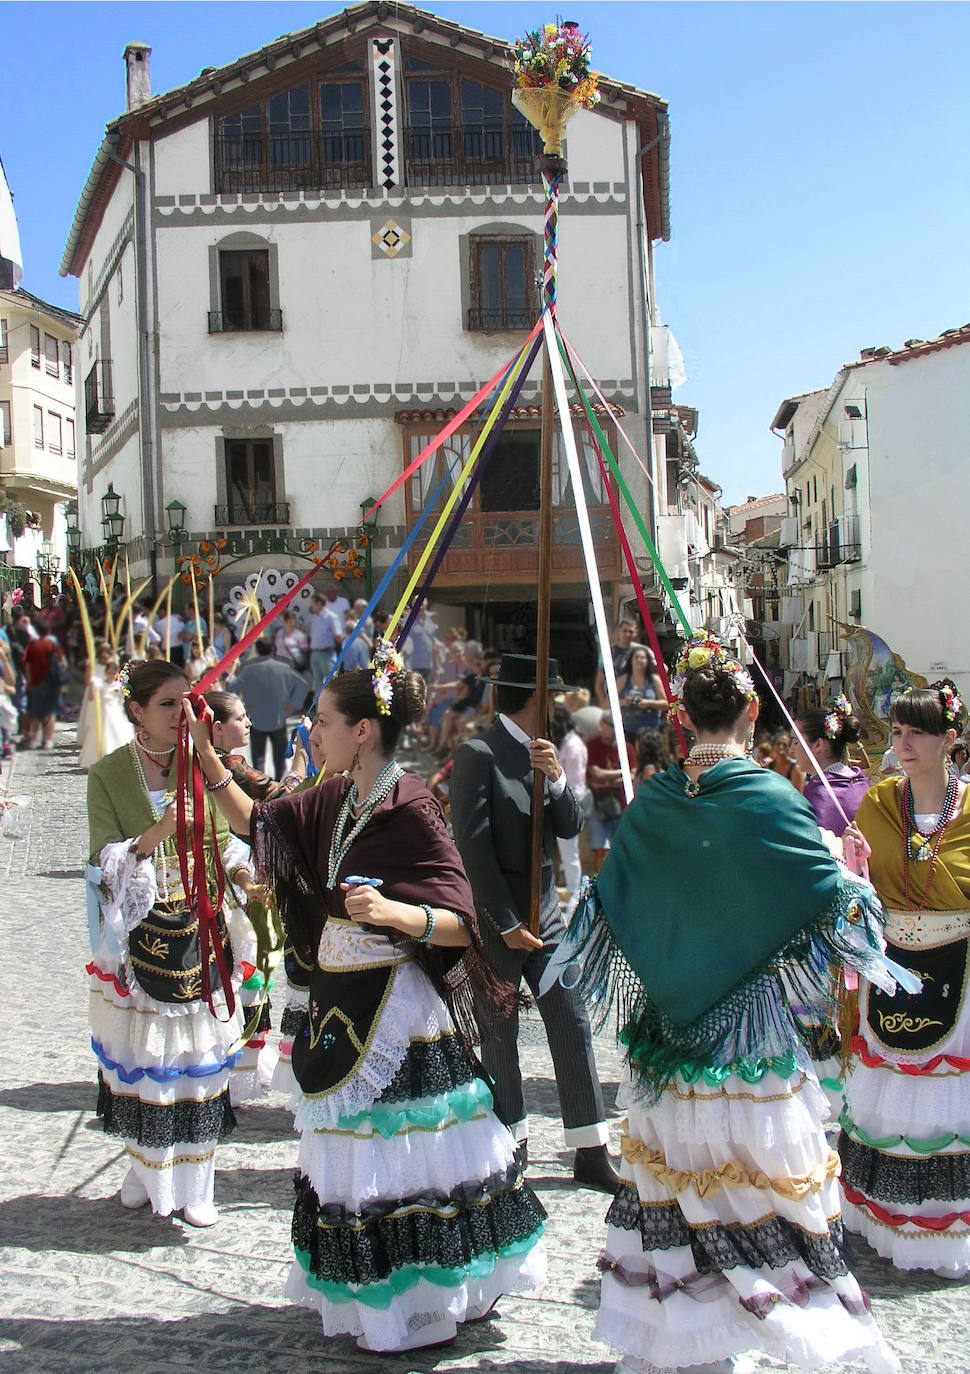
(339, 843)
(920, 846)
(706, 756)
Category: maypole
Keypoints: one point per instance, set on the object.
(552, 82)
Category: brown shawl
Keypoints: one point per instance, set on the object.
(406, 843)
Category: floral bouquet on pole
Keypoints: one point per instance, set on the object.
(553, 79)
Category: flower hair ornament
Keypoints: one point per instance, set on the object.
(704, 650)
(123, 677)
(385, 666)
(951, 702)
(839, 713)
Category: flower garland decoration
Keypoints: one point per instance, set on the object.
(385, 666)
(704, 650)
(839, 713)
(556, 55)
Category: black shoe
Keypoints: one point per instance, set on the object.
(593, 1168)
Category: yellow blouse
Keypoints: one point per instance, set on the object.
(880, 819)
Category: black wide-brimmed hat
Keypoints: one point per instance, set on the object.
(519, 670)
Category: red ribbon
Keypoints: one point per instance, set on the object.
(902, 1218)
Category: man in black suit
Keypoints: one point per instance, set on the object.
(491, 798)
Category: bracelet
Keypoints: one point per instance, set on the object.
(223, 782)
(429, 928)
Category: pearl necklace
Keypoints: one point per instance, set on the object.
(339, 843)
(705, 756)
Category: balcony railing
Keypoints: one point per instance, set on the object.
(470, 155)
(99, 401)
(299, 162)
(500, 319)
(839, 543)
(245, 321)
(253, 516)
(502, 546)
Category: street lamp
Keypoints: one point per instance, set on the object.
(365, 532)
(112, 521)
(177, 533)
(73, 534)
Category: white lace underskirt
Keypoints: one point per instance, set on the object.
(362, 1166)
(912, 1247)
(385, 1329)
(140, 1040)
(682, 1331)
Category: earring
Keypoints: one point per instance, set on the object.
(354, 763)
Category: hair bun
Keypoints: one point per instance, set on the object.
(408, 702)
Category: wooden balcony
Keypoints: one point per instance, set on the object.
(494, 547)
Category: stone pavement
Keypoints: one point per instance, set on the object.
(85, 1286)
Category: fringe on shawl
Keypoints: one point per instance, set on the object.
(753, 1019)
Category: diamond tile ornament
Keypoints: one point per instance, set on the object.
(391, 239)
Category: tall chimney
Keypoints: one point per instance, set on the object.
(139, 73)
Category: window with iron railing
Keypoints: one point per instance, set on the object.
(52, 359)
(3, 341)
(34, 346)
(99, 402)
(314, 136)
(462, 132)
(251, 485)
(244, 292)
(501, 277)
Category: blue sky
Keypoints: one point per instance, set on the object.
(820, 201)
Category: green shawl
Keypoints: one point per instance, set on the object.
(700, 904)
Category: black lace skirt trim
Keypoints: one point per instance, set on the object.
(264, 1023)
(430, 1067)
(293, 1021)
(904, 1181)
(430, 1228)
(772, 1242)
(159, 1128)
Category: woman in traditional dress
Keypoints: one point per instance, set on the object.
(906, 1167)
(165, 1055)
(725, 1234)
(411, 1213)
(108, 711)
(255, 1070)
(828, 734)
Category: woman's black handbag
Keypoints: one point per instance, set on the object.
(165, 957)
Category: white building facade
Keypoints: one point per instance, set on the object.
(878, 480)
(38, 437)
(295, 268)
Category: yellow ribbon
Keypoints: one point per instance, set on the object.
(733, 1174)
(457, 489)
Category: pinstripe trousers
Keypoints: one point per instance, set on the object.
(567, 1031)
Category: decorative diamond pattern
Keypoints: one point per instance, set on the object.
(391, 238)
(385, 104)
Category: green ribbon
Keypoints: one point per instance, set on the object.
(920, 1145)
(627, 495)
(389, 1119)
(381, 1295)
(751, 1070)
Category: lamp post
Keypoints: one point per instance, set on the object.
(177, 533)
(112, 521)
(73, 535)
(365, 532)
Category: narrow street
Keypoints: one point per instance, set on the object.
(86, 1286)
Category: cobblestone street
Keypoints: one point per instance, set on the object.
(87, 1286)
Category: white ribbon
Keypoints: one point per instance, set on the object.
(589, 554)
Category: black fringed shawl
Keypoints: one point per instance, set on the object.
(406, 843)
